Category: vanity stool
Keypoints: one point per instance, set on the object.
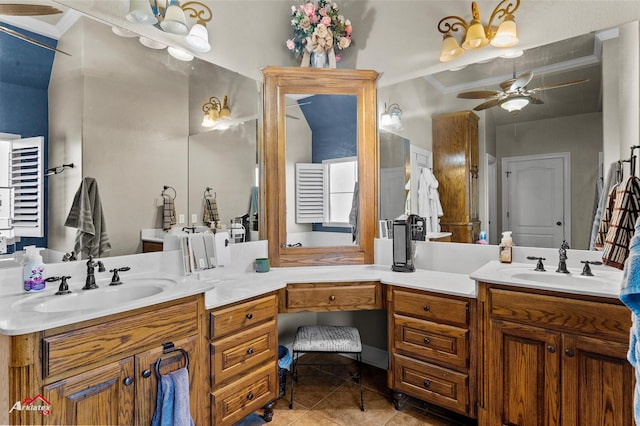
(327, 339)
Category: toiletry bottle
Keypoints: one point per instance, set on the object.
(505, 247)
(34, 270)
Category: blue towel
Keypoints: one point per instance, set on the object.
(172, 403)
(630, 296)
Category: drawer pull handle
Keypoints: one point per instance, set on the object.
(249, 316)
(250, 351)
(332, 298)
(551, 349)
(146, 374)
(128, 381)
(427, 383)
(426, 308)
(250, 396)
(427, 340)
(569, 352)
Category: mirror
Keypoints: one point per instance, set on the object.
(125, 115)
(339, 121)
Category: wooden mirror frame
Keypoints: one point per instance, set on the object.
(279, 82)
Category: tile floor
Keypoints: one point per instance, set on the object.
(326, 397)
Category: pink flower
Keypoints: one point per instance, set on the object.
(309, 9)
(338, 57)
(326, 21)
(290, 44)
(348, 29)
(314, 19)
(322, 12)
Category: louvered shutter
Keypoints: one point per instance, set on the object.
(26, 179)
(309, 193)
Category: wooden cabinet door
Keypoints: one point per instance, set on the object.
(147, 382)
(597, 382)
(522, 367)
(103, 396)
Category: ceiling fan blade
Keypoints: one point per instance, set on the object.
(506, 85)
(15, 9)
(30, 40)
(535, 101)
(556, 85)
(522, 80)
(479, 94)
(488, 104)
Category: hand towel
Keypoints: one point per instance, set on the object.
(168, 212)
(172, 402)
(621, 227)
(211, 214)
(87, 217)
(630, 296)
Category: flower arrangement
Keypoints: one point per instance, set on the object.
(318, 27)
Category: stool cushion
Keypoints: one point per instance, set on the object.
(327, 338)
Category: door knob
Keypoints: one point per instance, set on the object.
(128, 381)
(551, 349)
(146, 374)
(569, 352)
(558, 223)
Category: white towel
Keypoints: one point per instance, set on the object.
(87, 217)
(429, 205)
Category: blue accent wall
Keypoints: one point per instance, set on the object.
(25, 72)
(333, 120)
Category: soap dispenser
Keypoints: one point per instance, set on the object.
(34, 270)
(506, 247)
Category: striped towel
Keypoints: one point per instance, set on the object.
(605, 220)
(211, 214)
(623, 219)
(168, 212)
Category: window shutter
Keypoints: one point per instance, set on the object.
(26, 179)
(309, 193)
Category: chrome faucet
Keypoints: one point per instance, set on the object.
(90, 282)
(562, 265)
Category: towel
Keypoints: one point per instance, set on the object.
(172, 403)
(630, 296)
(168, 212)
(610, 182)
(210, 214)
(621, 227)
(87, 217)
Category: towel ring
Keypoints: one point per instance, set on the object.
(208, 191)
(168, 348)
(175, 194)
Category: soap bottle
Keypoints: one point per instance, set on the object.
(506, 247)
(34, 270)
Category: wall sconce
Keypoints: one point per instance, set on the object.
(216, 111)
(476, 35)
(391, 118)
(171, 17)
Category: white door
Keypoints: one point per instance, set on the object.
(536, 199)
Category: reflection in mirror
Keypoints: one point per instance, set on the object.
(322, 170)
(395, 171)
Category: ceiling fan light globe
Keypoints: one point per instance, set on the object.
(507, 34)
(515, 104)
(476, 37)
(450, 49)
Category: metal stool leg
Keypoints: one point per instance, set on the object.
(360, 379)
(294, 376)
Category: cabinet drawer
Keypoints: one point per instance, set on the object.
(68, 350)
(336, 296)
(432, 308)
(241, 398)
(440, 386)
(243, 351)
(602, 320)
(229, 320)
(444, 344)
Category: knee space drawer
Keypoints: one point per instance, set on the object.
(240, 352)
(333, 296)
(235, 318)
(432, 308)
(444, 344)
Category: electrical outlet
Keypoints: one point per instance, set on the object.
(194, 218)
(181, 219)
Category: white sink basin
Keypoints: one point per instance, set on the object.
(104, 297)
(561, 279)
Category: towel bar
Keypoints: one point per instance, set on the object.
(168, 348)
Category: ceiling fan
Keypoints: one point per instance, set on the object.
(14, 9)
(514, 94)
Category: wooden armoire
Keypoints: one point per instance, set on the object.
(455, 165)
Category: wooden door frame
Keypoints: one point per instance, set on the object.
(566, 159)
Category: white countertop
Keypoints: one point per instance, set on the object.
(228, 287)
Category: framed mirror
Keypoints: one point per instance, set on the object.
(319, 126)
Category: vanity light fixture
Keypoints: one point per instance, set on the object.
(515, 104)
(216, 113)
(475, 35)
(391, 118)
(171, 17)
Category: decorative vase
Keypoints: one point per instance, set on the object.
(319, 59)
